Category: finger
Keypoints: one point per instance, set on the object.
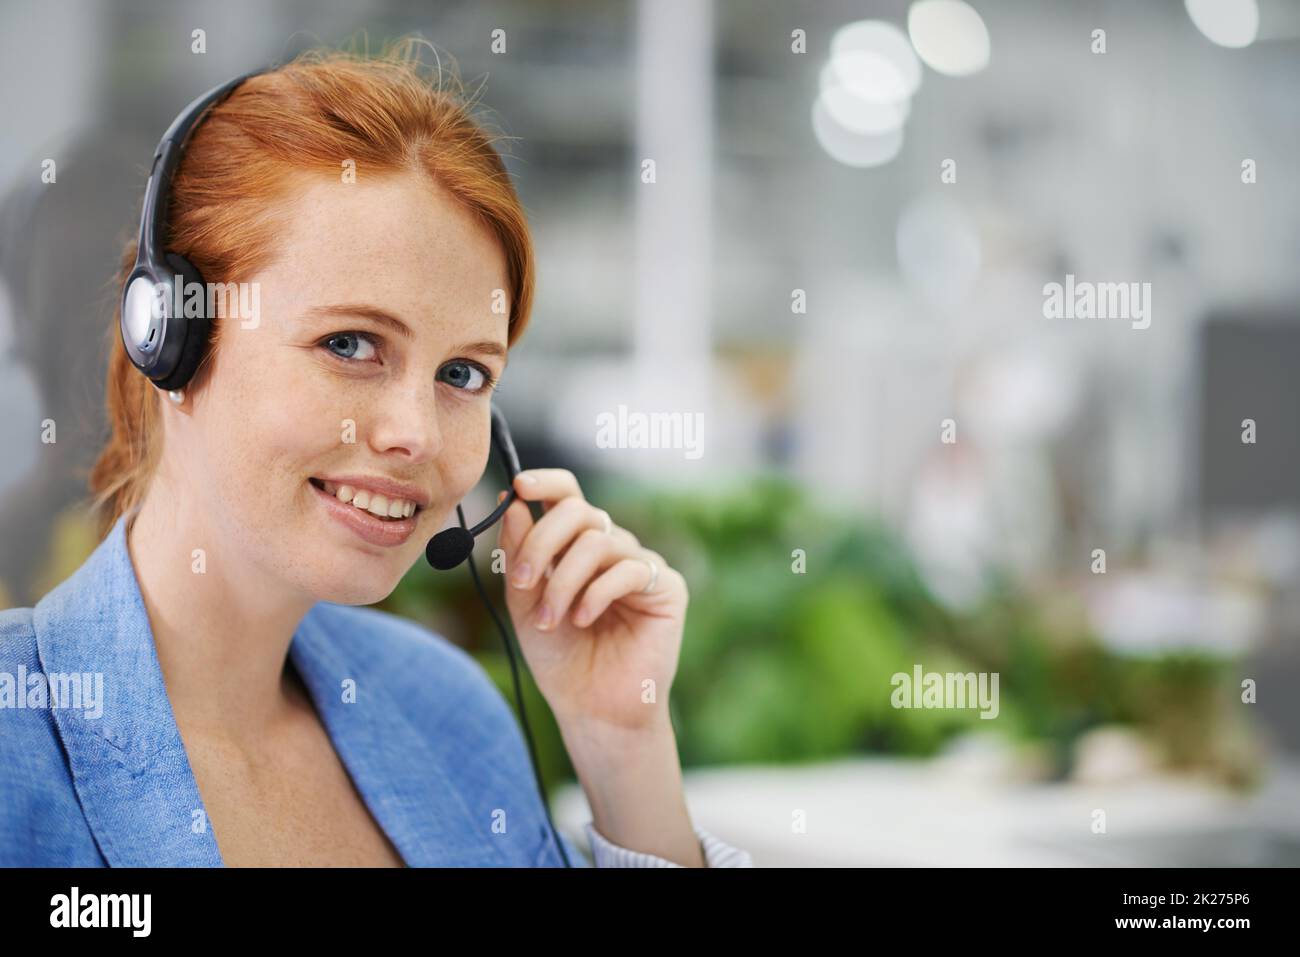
(624, 578)
(631, 544)
(551, 533)
(547, 486)
(515, 524)
(616, 532)
(590, 553)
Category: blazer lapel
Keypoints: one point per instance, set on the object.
(129, 765)
(400, 769)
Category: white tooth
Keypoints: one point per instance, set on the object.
(378, 506)
(409, 510)
(345, 493)
(361, 499)
(396, 508)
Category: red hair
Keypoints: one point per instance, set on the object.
(311, 115)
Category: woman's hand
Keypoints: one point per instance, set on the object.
(606, 656)
(604, 660)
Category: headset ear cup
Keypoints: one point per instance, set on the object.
(195, 327)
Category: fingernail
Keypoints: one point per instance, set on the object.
(500, 496)
(580, 617)
(523, 575)
(527, 478)
(544, 617)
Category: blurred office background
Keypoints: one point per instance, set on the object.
(840, 264)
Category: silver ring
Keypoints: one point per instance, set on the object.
(654, 576)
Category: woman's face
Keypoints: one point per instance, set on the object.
(322, 389)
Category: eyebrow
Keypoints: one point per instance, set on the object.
(387, 319)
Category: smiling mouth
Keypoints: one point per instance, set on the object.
(377, 506)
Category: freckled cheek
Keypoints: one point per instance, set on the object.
(273, 442)
(460, 468)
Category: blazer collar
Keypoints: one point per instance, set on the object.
(129, 765)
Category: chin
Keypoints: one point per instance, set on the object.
(351, 590)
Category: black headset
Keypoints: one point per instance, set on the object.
(168, 349)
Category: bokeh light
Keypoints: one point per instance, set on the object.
(1229, 23)
(949, 36)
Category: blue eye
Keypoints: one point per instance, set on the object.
(463, 373)
(352, 342)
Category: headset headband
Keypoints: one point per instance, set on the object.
(166, 158)
(161, 341)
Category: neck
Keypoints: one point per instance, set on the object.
(222, 634)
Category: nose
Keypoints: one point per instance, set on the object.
(406, 423)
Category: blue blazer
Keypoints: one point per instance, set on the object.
(430, 742)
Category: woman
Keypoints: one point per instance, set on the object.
(248, 713)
